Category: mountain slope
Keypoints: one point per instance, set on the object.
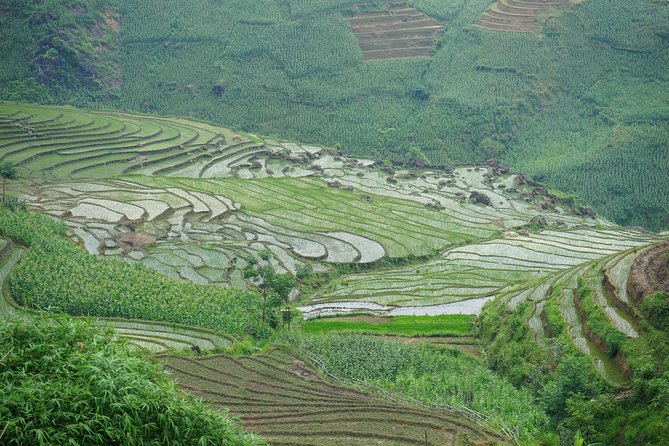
(557, 103)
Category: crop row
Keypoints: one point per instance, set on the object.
(152, 336)
(517, 15)
(282, 397)
(55, 275)
(62, 143)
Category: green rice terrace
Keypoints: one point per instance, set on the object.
(473, 286)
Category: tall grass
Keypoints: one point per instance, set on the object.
(66, 382)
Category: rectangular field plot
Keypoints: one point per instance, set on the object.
(395, 32)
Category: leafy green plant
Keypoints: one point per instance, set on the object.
(67, 382)
(655, 308)
(8, 172)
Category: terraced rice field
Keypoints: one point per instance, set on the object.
(283, 398)
(607, 278)
(395, 32)
(204, 201)
(514, 267)
(62, 142)
(518, 15)
(205, 230)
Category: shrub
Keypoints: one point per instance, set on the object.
(67, 382)
(655, 309)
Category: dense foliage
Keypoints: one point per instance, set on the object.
(56, 275)
(430, 375)
(581, 105)
(66, 382)
(565, 383)
(655, 309)
(57, 48)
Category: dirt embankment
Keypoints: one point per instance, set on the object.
(650, 272)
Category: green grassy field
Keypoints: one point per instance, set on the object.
(447, 325)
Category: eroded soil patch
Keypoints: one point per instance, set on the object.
(650, 272)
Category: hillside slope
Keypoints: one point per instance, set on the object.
(205, 203)
(579, 103)
(146, 197)
(591, 314)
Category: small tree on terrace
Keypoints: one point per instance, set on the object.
(282, 285)
(8, 172)
(274, 288)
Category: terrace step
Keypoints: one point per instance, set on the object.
(396, 44)
(393, 33)
(497, 27)
(608, 367)
(277, 391)
(517, 24)
(503, 5)
(493, 11)
(399, 53)
(425, 31)
(361, 29)
(387, 18)
(615, 280)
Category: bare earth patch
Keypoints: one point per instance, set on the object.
(650, 272)
(130, 241)
(297, 406)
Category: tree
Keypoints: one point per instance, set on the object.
(274, 288)
(420, 93)
(8, 172)
(282, 285)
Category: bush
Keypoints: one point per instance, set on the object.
(67, 382)
(655, 309)
(14, 204)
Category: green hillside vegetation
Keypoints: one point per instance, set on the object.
(592, 362)
(557, 104)
(187, 239)
(66, 382)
